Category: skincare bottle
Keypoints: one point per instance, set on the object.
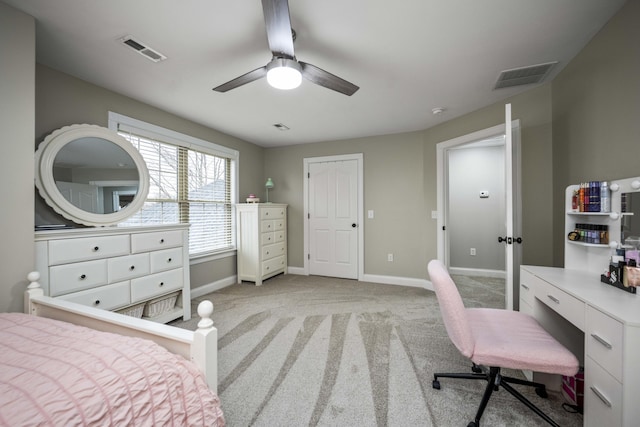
(605, 197)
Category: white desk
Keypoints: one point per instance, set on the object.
(568, 302)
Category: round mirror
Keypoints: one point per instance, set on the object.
(91, 175)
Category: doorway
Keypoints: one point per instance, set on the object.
(333, 216)
(510, 241)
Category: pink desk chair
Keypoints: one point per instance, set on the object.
(493, 339)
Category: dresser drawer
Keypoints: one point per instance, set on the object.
(602, 397)
(272, 213)
(64, 279)
(278, 236)
(86, 248)
(156, 284)
(272, 251)
(527, 286)
(274, 265)
(106, 297)
(166, 259)
(127, 267)
(604, 341)
(564, 304)
(145, 242)
(267, 239)
(267, 225)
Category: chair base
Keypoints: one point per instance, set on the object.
(494, 380)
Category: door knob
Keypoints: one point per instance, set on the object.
(354, 225)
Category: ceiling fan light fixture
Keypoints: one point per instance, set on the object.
(283, 73)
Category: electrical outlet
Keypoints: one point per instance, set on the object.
(370, 214)
(472, 251)
(390, 257)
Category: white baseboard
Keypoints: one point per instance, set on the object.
(215, 286)
(396, 280)
(498, 274)
(296, 270)
(373, 278)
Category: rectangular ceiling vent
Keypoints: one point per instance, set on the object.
(524, 76)
(146, 51)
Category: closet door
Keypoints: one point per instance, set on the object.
(333, 219)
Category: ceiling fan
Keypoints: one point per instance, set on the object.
(284, 71)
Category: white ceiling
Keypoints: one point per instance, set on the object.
(407, 56)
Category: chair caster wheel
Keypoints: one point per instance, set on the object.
(472, 424)
(477, 369)
(542, 392)
(436, 384)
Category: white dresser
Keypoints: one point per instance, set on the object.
(262, 241)
(115, 268)
(601, 326)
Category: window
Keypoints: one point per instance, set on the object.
(191, 181)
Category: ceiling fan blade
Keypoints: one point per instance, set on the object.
(242, 80)
(326, 79)
(278, 23)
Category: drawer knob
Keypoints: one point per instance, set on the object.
(525, 286)
(554, 299)
(161, 283)
(169, 260)
(83, 276)
(97, 302)
(133, 267)
(161, 240)
(96, 248)
(600, 396)
(267, 252)
(602, 341)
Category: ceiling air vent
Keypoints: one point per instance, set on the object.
(524, 75)
(146, 51)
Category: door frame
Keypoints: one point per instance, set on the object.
(360, 214)
(441, 182)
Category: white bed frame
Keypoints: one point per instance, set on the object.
(201, 346)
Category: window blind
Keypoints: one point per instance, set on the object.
(187, 186)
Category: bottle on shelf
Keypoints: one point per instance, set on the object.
(605, 197)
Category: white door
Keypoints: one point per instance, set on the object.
(333, 218)
(513, 239)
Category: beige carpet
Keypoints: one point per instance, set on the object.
(307, 351)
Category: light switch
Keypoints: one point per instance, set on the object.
(370, 214)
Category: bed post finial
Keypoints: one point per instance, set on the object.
(33, 278)
(33, 290)
(205, 310)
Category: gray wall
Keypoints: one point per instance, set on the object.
(596, 112)
(475, 222)
(17, 117)
(63, 100)
(400, 186)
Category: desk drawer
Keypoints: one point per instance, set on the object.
(604, 341)
(64, 279)
(561, 302)
(602, 397)
(104, 297)
(527, 287)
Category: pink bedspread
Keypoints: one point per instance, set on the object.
(57, 374)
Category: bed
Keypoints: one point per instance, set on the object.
(66, 364)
